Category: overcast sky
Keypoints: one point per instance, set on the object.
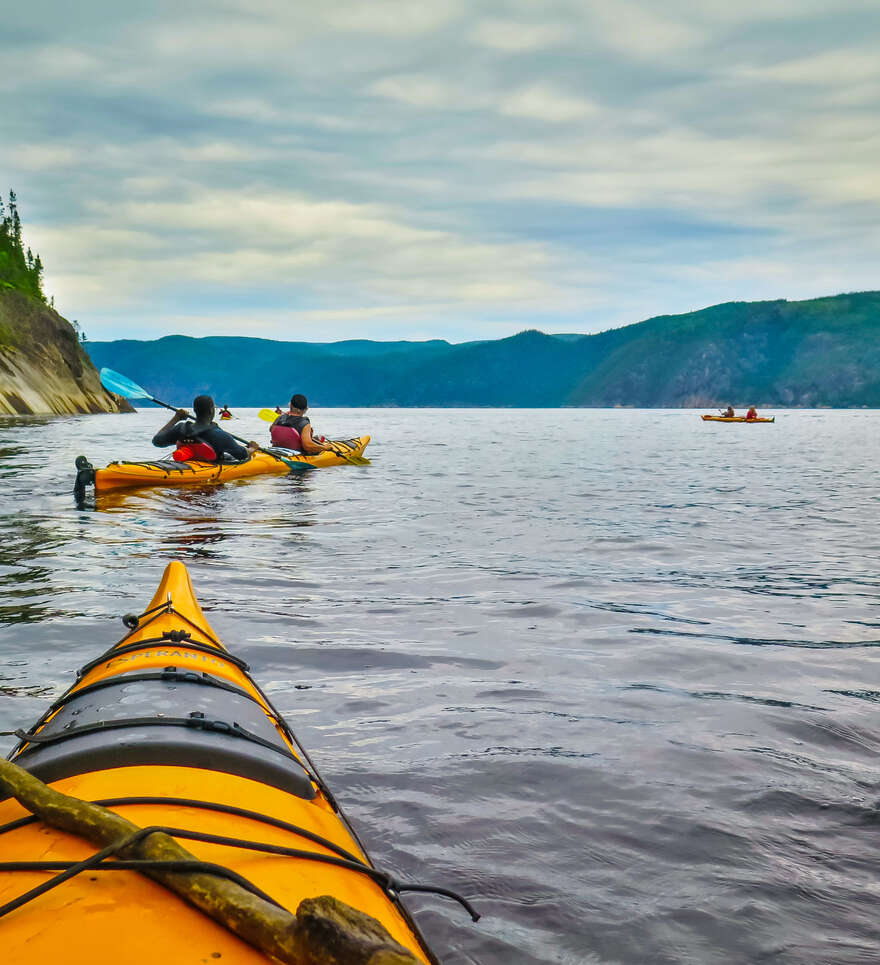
(439, 168)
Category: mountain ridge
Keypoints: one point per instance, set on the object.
(822, 351)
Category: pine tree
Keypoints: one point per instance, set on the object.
(20, 269)
(16, 220)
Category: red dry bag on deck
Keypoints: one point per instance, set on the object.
(194, 450)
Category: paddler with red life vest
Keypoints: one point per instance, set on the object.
(202, 439)
(292, 429)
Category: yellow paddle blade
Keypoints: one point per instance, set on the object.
(350, 457)
(268, 415)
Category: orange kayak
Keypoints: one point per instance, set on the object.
(168, 729)
(167, 472)
(736, 418)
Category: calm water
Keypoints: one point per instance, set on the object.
(622, 688)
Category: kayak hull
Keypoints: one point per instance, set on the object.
(166, 472)
(106, 917)
(738, 418)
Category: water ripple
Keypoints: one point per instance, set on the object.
(624, 701)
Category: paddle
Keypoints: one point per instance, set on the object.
(269, 415)
(120, 385)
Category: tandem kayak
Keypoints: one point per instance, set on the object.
(167, 472)
(736, 418)
(168, 730)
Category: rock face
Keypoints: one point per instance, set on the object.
(43, 367)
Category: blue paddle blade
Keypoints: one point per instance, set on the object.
(120, 385)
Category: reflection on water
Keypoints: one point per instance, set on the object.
(621, 693)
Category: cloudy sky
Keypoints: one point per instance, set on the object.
(386, 169)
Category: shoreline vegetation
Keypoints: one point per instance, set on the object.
(820, 353)
(44, 367)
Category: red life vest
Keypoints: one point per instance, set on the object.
(194, 450)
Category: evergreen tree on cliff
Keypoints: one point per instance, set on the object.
(20, 270)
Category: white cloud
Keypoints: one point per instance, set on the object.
(514, 37)
(42, 157)
(545, 102)
(643, 30)
(254, 109)
(539, 101)
(389, 17)
(419, 90)
(830, 68)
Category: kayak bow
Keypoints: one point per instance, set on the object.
(168, 729)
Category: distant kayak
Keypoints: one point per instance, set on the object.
(167, 472)
(227, 415)
(736, 418)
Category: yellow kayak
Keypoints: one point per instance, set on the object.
(167, 729)
(167, 472)
(736, 418)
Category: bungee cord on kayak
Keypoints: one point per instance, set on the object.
(189, 643)
(390, 884)
(136, 622)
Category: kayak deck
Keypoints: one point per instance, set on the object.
(169, 727)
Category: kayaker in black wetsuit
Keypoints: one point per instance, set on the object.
(292, 430)
(181, 429)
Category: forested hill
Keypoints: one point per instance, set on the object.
(820, 352)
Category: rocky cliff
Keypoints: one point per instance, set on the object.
(43, 367)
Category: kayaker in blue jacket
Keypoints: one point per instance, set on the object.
(198, 439)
